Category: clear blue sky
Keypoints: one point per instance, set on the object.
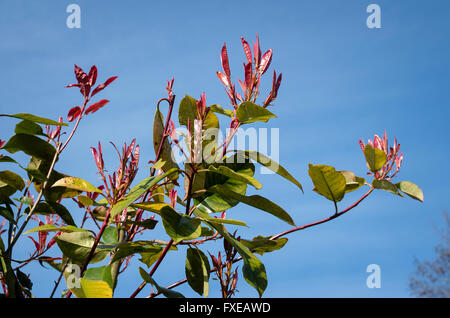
(341, 82)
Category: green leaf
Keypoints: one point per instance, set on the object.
(76, 184)
(54, 228)
(148, 224)
(386, 186)
(220, 110)
(7, 159)
(253, 269)
(137, 191)
(29, 128)
(31, 145)
(150, 206)
(213, 202)
(7, 214)
(255, 201)
(166, 151)
(224, 170)
(102, 273)
(197, 271)
(210, 125)
(248, 112)
(35, 119)
(180, 227)
(411, 190)
(96, 288)
(149, 258)
(327, 182)
(130, 248)
(12, 179)
(46, 208)
(165, 291)
(23, 279)
(77, 246)
(261, 244)
(270, 164)
(375, 158)
(352, 182)
(110, 235)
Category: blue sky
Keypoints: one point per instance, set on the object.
(341, 82)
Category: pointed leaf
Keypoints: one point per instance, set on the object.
(180, 227)
(36, 119)
(327, 182)
(270, 164)
(255, 201)
(248, 112)
(76, 184)
(411, 190)
(138, 190)
(197, 270)
(375, 158)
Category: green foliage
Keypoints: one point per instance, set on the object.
(328, 182)
(197, 271)
(375, 158)
(248, 113)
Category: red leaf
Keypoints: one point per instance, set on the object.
(243, 86)
(94, 107)
(73, 113)
(102, 86)
(265, 61)
(257, 50)
(224, 60)
(80, 75)
(36, 244)
(93, 75)
(248, 74)
(247, 50)
(223, 79)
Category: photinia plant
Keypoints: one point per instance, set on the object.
(189, 199)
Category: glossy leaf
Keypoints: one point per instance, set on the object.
(76, 184)
(270, 164)
(46, 208)
(411, 190)
(36, 119)
(180, 227)
(77, 246)
(29, 128)
(327, 182)
(166, 154)
(7, 214)
(224, 170)
(110, 235)
(31, 145)
(352, 182)
(248, 112)
(12, 179)
(54, 228)
(96, 288)
(220, 110)
(261, 244)
(213, 202)
(165, 291)
(130, 248)
(102, 273)
(255, 201)
(197, 271)
(137, 191)
(386, 186)
(375, 158)
(253, 270)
